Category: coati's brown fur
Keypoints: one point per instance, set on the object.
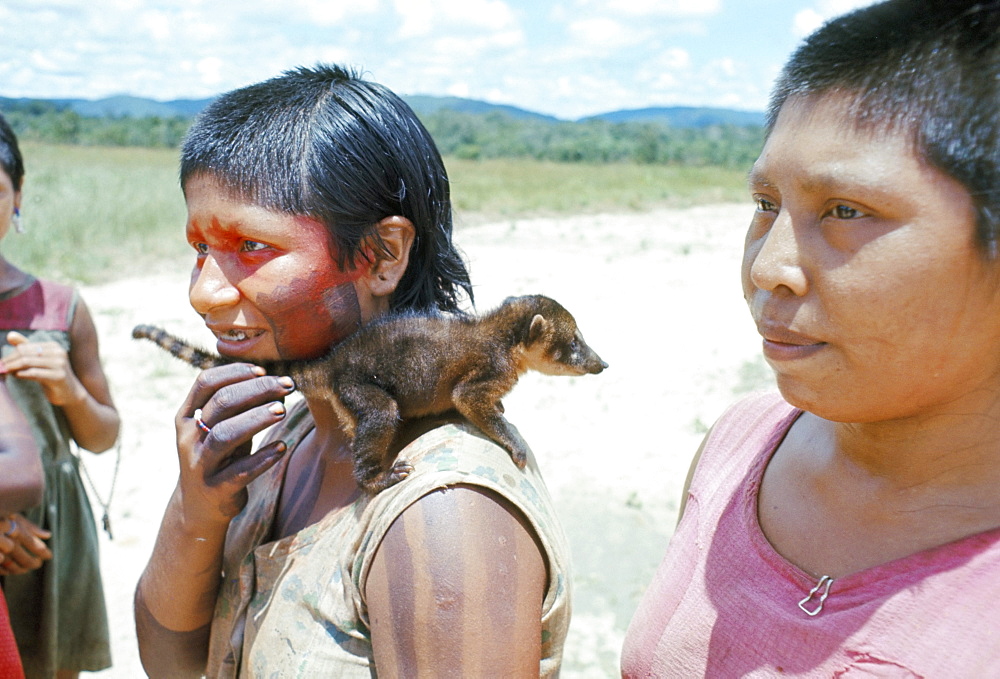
(411, 365)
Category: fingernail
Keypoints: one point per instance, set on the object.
(286, 382)
(277, 409)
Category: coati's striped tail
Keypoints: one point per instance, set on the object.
(178, 347)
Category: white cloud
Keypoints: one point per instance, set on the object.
(459, 90)
(600, 33)
(422, 17)
(675, 8)
(808, 20)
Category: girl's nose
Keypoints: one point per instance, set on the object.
(211, 288)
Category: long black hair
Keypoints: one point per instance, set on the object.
(10, 155)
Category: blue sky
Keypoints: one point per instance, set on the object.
(567, 58)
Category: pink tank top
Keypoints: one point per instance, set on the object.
(723, 603)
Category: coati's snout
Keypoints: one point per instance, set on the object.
(592, 364)
(557, 347)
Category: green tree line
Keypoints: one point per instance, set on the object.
(496, 135)
(463, 135)
(52, 123)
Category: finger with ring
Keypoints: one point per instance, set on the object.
(201, 423)
(11, 529)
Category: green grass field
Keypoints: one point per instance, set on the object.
(95, 214)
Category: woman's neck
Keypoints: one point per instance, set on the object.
(955, 446)
(319, 478)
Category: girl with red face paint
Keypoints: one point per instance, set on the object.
(316, 202)
(850, 526)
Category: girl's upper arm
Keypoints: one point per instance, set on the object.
(21, 477)
(456, 589)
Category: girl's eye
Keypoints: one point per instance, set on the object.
(253, 246)
(202, 248)
(845, 212)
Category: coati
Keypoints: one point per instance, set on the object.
(417, 364)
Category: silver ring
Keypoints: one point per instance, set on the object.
(13, 527)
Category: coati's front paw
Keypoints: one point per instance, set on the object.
(519, 455)
(399, 471)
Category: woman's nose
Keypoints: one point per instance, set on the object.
(211, 288)
(775, 259)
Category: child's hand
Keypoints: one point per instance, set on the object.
(46, 363)
(21, 545)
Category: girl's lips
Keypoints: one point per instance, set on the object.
(236, 341)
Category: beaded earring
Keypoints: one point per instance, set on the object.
(16, 221)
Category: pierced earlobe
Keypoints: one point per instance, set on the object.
(16, 221)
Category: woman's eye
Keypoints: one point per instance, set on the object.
(253, 246)
(202, 248)
(764, 205)
(845, 212)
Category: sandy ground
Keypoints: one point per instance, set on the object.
(656, 294)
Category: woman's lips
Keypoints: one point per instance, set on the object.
(782, 344)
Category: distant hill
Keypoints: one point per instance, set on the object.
(684, 116)
(117, 106)
(675, 116)
(426, 105)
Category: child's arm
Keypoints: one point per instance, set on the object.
(22, 483)
(75, 381)
(21, 479)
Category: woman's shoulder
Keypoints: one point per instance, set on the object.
(744, 436)
(757, 416)
(457, 455)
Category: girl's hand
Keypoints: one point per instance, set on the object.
(215, 427)
(46, 363)
(21, 545)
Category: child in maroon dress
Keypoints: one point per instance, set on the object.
(49, 355)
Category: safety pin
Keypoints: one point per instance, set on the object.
(824, 584)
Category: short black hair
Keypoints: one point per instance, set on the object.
(322, 142)
(927, 68)
(10, 155)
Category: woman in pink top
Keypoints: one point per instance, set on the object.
(851, 526)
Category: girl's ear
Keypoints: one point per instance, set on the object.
(386, 268)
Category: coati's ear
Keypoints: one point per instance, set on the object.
(538, 327)
(386, 270)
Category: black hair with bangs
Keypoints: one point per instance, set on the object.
(926, 68)
(323, 143)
